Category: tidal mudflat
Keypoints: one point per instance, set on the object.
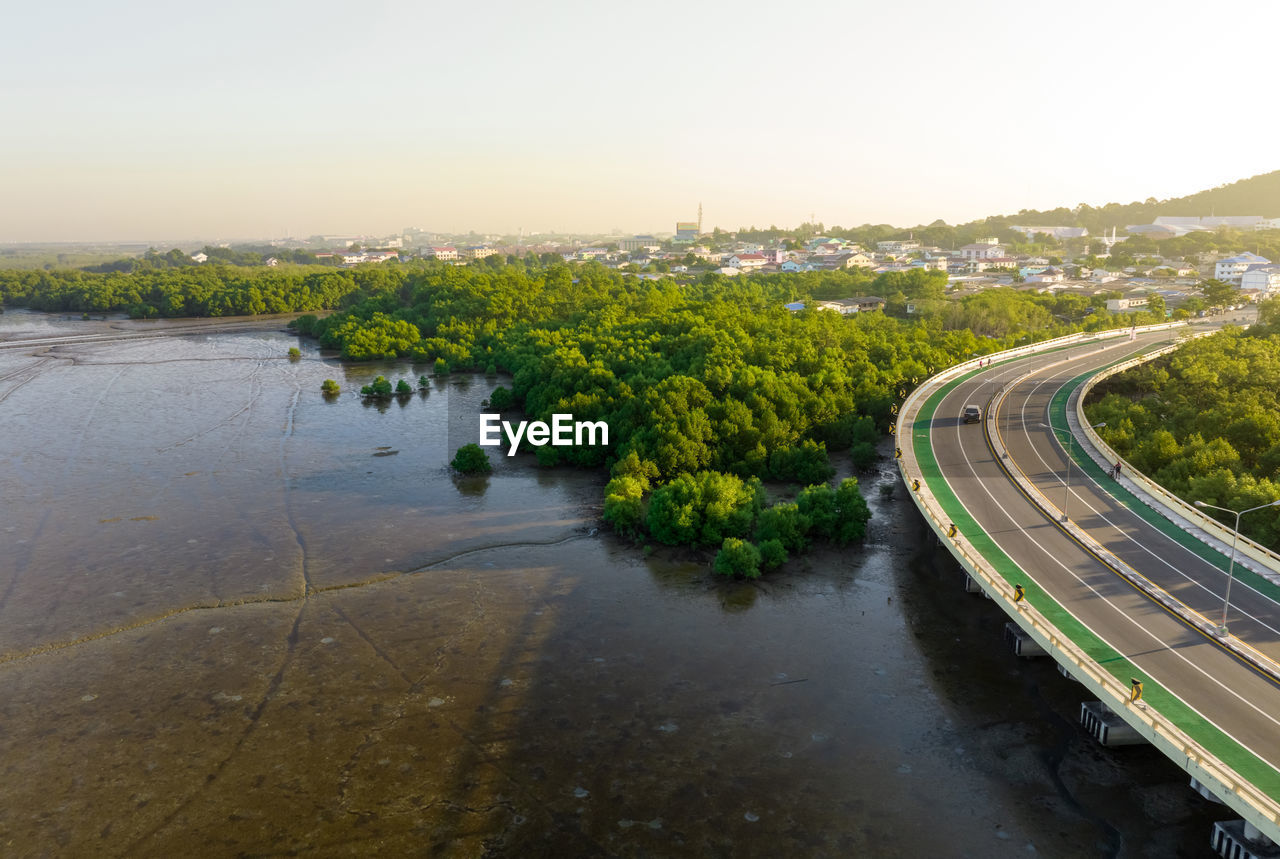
(237, 618)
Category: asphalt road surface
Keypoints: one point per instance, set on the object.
(1216, 684)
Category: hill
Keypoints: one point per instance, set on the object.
(1257, 195)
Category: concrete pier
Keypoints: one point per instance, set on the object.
(1023, 644)
(1238, 839)
(1204, 791)
(1106, 727)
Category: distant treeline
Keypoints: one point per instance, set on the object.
(1204, 421)
(206, 290)
(249, 255)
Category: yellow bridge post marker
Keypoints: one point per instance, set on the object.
(951, 532)
(1135, 689)
(1018, 594)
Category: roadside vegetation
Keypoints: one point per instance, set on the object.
(1204, 421)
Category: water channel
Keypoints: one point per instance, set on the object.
(237, 618)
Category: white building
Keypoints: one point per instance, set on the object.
(1210, 222)
(1233, 268)
(1056, 232)
(849, 306)
(1265, 278)
(1049, 275)
(745, 261)
(199, 257)
(636, 243)
(981, 250)
(1121, 305)
(897, 247)
(444, 254)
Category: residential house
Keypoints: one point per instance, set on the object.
(824, 245)
(980, 264)
(981, 250)
(897, 247)
(1049, 275)
(849, 306)
(199, 257)
(746, 261)
(1123, 305)
(444, 254)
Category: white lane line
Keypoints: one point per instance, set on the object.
(1134, 659)
(1218, 571)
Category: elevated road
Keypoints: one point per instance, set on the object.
(1008, 510)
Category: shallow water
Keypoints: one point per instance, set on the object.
(235, 614)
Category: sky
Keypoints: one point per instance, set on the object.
(136, 121)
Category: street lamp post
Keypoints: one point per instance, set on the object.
(1231, 567)
(1066, 497)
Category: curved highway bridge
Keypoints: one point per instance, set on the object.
(1123, 593)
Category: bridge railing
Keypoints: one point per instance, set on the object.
(1239, 793)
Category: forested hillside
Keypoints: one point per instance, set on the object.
(1257, 195)
(1204, 421)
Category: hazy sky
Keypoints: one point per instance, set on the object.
(154, 120)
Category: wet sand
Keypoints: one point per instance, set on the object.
(229, 626)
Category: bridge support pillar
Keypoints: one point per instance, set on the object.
(1023, 644)
(1204, 791)
(1106, 727)
(1239, 839)
(970, 586)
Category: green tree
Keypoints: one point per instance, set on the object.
(471, 459)
(624, 506)
(786, 524)
(1218, 293)
(772, 554)
(738, 558)
(379, 387)
(852, 513)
